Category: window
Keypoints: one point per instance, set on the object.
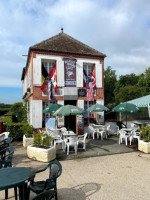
(48, 65)
(88, 68)
(88, 117)
(46, 115)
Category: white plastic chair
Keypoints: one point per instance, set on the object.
(6, 134)
(134, 135)
(72, 141)
(112, 130)
(102, 132)
(123, 135)
(82, 140)
(92, 132)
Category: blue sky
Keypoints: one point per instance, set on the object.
(118, 28)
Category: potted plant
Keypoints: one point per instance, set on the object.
(144, 142)
(28, 135)
(42, 148)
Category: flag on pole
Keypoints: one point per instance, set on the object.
(44, 75)
(90, 94)
(92, 80)
(49, 89)
(85, 78)
(53, 77)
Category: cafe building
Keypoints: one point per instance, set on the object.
(68, 61)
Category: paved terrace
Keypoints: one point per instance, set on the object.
(106, 171)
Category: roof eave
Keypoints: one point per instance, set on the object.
(84, 54)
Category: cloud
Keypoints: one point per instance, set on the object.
(120, 29)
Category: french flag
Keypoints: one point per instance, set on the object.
(53, 76)
(85, 78)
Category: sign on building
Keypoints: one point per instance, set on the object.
(70, 72)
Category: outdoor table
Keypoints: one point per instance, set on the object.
(138, 123)
(16, 177)
(128, 130)
(68, 134)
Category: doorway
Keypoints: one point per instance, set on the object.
(70, 120)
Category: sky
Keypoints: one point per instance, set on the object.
(118, 28)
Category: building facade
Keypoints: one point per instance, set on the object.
(71, 58)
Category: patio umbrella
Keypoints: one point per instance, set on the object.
(97, 108)
(68, 110)
(52, 108)
(126, 108)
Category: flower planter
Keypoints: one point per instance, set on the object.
(41, 154)
(144, 146)
(27, 141)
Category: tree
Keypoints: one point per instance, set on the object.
(109, 85)
(128, 93)
(126, 80)
(144, 82)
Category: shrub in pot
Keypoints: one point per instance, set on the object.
(42, 148)
(144, 143)
(28, 134)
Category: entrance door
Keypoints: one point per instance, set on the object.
(70, 121)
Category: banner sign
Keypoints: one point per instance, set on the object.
(70, 72)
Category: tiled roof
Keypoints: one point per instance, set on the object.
(63, 43)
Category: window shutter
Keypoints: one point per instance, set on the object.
(61, 102)
(37, 72)
(60, 73)
(81, 104)
(36, 113)
(79, 74)
(99, 75)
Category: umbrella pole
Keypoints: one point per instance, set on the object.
(126, 119)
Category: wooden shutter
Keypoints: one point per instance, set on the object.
(36, 113)
(81, 104)
(61, 102)
(99, 75)
(37, 72)
(60, 73)
(79, 74)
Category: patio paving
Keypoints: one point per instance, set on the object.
(96, 147)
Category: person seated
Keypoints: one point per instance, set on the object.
(121, 125)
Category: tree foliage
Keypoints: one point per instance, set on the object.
(109, 85)
(144, 82)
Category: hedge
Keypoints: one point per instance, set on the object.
(16, 130)
(3, 111)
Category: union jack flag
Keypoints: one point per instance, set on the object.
(90, 94)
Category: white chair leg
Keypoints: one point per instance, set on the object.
(67, 149)
(126, 141)
(119, 140)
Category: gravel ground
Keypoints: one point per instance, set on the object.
(113, 177)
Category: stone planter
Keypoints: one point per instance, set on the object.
(40, 154)
(27, 141)
(144, 146)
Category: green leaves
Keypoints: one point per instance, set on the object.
(42, 139)
(145, 133)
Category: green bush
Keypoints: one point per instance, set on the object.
(27, 130)
(6, 119)
(16, 130)
(145, 133)
(3, 111)
(42, 139)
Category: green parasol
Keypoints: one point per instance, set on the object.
(97, 108)
(68, 110)
(52, 108)
(126, 108)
